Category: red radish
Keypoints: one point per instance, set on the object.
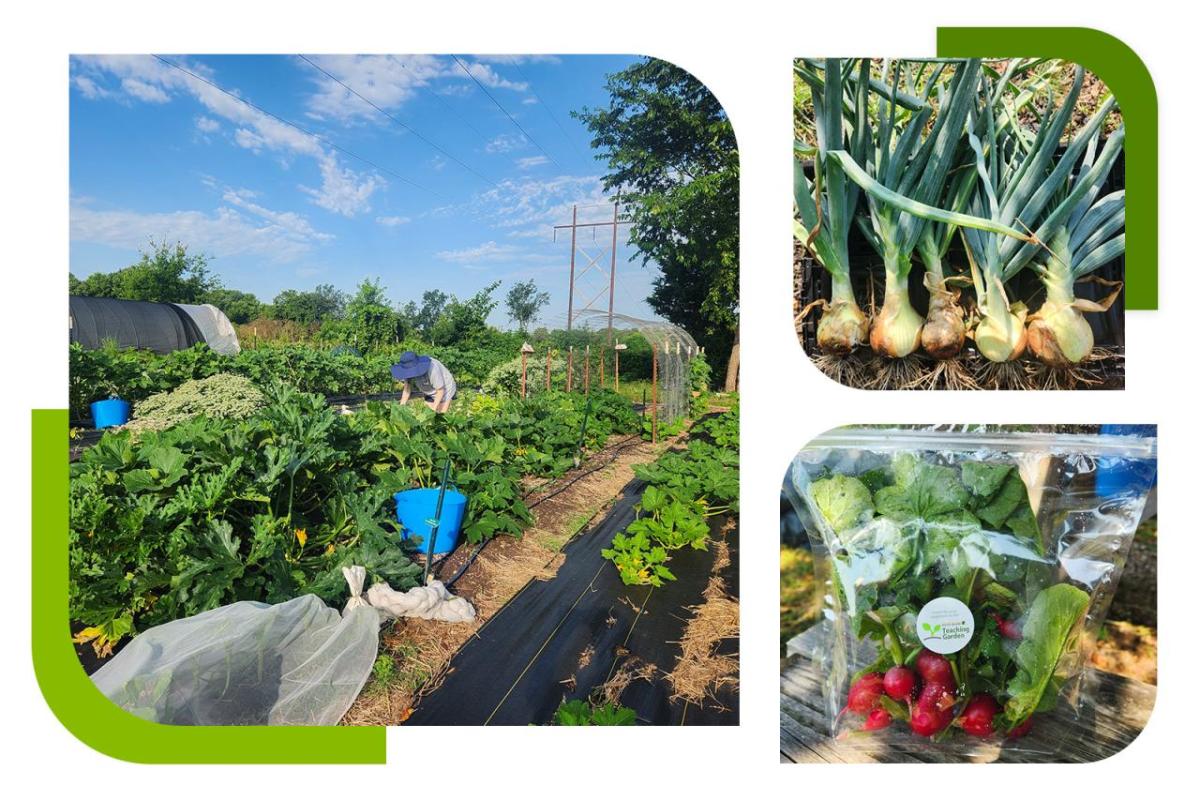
(979, 715)
(1009, 629)
(864, 693)
(899, 683)
(927, 721)
(878, 719)
(936, 697)
(1022, 728)
(935, 668)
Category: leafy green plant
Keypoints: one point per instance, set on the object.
(683, 490)
(582, 713)
(220, 395)
(211, 510)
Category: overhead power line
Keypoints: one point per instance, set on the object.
(399, 122)
(550, 113)
(511, 118)
(299, 128)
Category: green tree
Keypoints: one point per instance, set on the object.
(464, 322)
(524, 301)
(672, 154)
(165, 274)
(239, 307)
(371, 320)
(424, 317)
(322, 303)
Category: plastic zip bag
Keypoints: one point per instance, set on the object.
(976, 564)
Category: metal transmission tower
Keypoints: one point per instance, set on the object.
(591, 262)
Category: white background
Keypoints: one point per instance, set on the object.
(743, 52)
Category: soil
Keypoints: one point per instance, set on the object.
(421, 649)
(1136, 599)
(1128, 650)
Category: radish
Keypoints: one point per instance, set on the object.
(934, 710)
(1009, 629)
(935, 668)
(878, 719)
(864, 693)
(979, 715)
(927, 722)
(1021, 729)
(936, 697)
(899, 683)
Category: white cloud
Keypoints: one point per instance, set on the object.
(143, 91)
(341, 190)
(146, 79)
(488, 251)
(529, 207)
(492, 79)
(207, 124)
(286, 220)
(505, 143)
(392, 222)
(89, 88)
(224, 232)
(517, 58)
(532, 161)
(529, 101)
(387, 81)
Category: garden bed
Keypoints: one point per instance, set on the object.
(582, 634)
(420, 650)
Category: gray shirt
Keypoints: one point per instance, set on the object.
(437, 378)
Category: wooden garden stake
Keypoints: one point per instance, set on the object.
(617, 348)
(587, 369)
(526, 349)
(570, 367)
(548, 352)
(601, 367)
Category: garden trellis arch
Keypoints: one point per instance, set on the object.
(674, 349)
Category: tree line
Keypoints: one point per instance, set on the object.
(169, 273)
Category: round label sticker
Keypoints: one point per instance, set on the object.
(945, 625)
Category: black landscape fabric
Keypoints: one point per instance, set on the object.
(560, 639)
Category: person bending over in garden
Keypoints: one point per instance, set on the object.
(428, 377)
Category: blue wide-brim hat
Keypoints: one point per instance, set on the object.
(411, 365)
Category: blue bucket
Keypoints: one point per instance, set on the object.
(111, 412)
(1114, 478)
(415, 508)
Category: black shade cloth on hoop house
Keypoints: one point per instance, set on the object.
(519, 667)
(158, 327)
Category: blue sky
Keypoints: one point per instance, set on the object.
(159, 154)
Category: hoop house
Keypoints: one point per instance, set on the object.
(160, 327)
(674, 350)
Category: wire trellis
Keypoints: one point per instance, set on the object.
(674, 350)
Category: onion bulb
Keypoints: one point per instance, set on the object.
(944, 331)
(1060, 336)
(896, 331)
(843, 327)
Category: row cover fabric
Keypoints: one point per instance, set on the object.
(1027, 529)
(295, 663)
(158, 327)
(214, 326)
